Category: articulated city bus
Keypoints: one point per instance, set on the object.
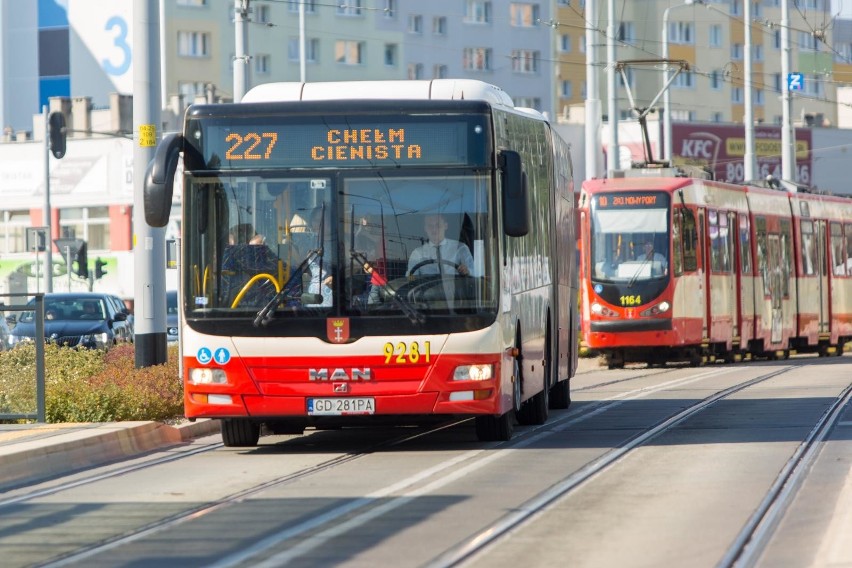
(371, 250)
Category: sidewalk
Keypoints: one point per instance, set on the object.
(35, 452)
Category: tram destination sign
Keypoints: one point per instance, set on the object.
(370, 142)
(630, 200)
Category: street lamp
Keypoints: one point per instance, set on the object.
(667, 102)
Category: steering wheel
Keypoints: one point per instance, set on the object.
(423, 263)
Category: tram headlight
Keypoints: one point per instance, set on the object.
(660, 308)
(600, 310)
(473, 372)
(207, 376)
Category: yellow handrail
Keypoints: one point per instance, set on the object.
(250, 283)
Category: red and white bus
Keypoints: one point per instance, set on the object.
(311, 293)
(733, 270)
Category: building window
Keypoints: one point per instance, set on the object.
(13, 233)
(440, 72)
(566, 89)
(439, 25)
(843, 52)
(415, 71)
(813, 85)
(681, 32)
(737, 51)
(415, 24)
(477, 12)
(390, 54)
(191, 2)
(715, 80)
(776, 39)
(808, 42)
(684, 80)
(525, 61)
(565, 43)
(737, 95)
(390, 9)
(716, 35)
(261, 13)
(680, 115)
(776, 82)
(758, 52)
(476, 59)
(583, 44)
(758, 97)
(626, 33)
(523, 15)
(310, 6)
(528, 102)
(311, 49)
(193, 44)
(350, 8)
(717, 117)
(349, 52)
(262, 64)
(88, 223)
(191, 89)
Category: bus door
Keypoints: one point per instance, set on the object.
(822, 276)
(776, 292)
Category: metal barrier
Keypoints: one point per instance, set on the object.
(38, 308)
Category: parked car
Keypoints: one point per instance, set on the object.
(171, 316)
(5, 333)
(85, 319)
(120, 306)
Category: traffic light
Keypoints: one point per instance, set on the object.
(99, 268)
(82, 261)
(58, 132)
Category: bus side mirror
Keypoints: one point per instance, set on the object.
(516, 207)
(160, 181)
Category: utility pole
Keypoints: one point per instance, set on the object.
(612, 155)
(46, 214)
(748, 119)
(149, 243)
(241, 58)
(593, 97)
(788, 153)
(302, 54)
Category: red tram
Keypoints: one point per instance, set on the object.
(688, 269)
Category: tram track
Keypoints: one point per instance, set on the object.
(298, 540)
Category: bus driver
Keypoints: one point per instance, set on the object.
(432, 257)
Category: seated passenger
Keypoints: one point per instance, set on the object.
(242, 262)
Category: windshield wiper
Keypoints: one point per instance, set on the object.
(407, 308)
(266, 312)
(638, 271)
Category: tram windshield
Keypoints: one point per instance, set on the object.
(630, 237)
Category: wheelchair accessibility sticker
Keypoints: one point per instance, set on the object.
(220, 356)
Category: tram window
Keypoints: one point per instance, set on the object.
(721, 242)
(677, 246)
(760, 229)
(808, 248)
(690, 240)
(745, 249)
(849, 249)
(838, 252)
(786, 257)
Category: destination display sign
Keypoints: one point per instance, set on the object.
(635, 200)
(240, 143)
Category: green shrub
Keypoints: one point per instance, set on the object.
(91, 386)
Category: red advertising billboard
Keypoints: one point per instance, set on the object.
(721, 148)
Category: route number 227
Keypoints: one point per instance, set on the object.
(251, 146)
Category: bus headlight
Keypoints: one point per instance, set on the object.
(473, 372)
(204, 376)
(601, 310)
(660, 308)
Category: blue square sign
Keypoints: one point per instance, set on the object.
(795, 81)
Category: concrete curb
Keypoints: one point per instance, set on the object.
(33, 460)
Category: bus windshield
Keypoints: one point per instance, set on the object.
(630, 238)
(327, 244)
